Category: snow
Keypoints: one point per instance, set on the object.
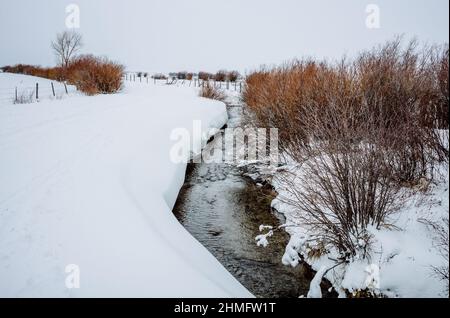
(401, 258)
(88, 181)
(314, 289)
(261, 240)
(26, 86)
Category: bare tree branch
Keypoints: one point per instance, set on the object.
(65, 47)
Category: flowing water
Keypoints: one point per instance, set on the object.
(223, 210)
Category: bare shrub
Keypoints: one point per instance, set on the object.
(205, 76)
(441, 72)
(233, 76)
(24, 97)
(182, 75)
(440, 234)
(221, 76)
(340, 193)
(346, 181)
(159, 76)
(209, 91)
(402, 92)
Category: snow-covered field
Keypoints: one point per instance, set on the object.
(26, 88)
(88, 181)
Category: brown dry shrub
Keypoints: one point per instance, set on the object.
(209, 91)
(94, 75)
(402, 91)
(220, 76)
(205, 76)
(53, 73)
(233, 76)
(360, 128)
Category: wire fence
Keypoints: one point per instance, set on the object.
(29, 94)
(195, 82)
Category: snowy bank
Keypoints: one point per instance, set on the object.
(88, 181)
(402, 256)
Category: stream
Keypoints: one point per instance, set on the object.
(223, 209)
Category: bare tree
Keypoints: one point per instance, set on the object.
(67, 44)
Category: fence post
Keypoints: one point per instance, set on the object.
(37, 90)
(16, 96)
(53, 89)
(240, 87)
(65, 87)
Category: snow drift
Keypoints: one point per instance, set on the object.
(88, 181)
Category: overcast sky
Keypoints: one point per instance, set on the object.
(171, 35)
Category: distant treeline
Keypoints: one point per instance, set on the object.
(220, 76)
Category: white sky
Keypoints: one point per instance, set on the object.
(172, 35)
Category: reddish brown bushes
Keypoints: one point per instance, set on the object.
(54, 73)
(205, 76)
(94, 75)
(221, 76)
(360, 129)
(233, 76)
(401, 93)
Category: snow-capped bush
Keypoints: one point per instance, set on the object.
(339, 193)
